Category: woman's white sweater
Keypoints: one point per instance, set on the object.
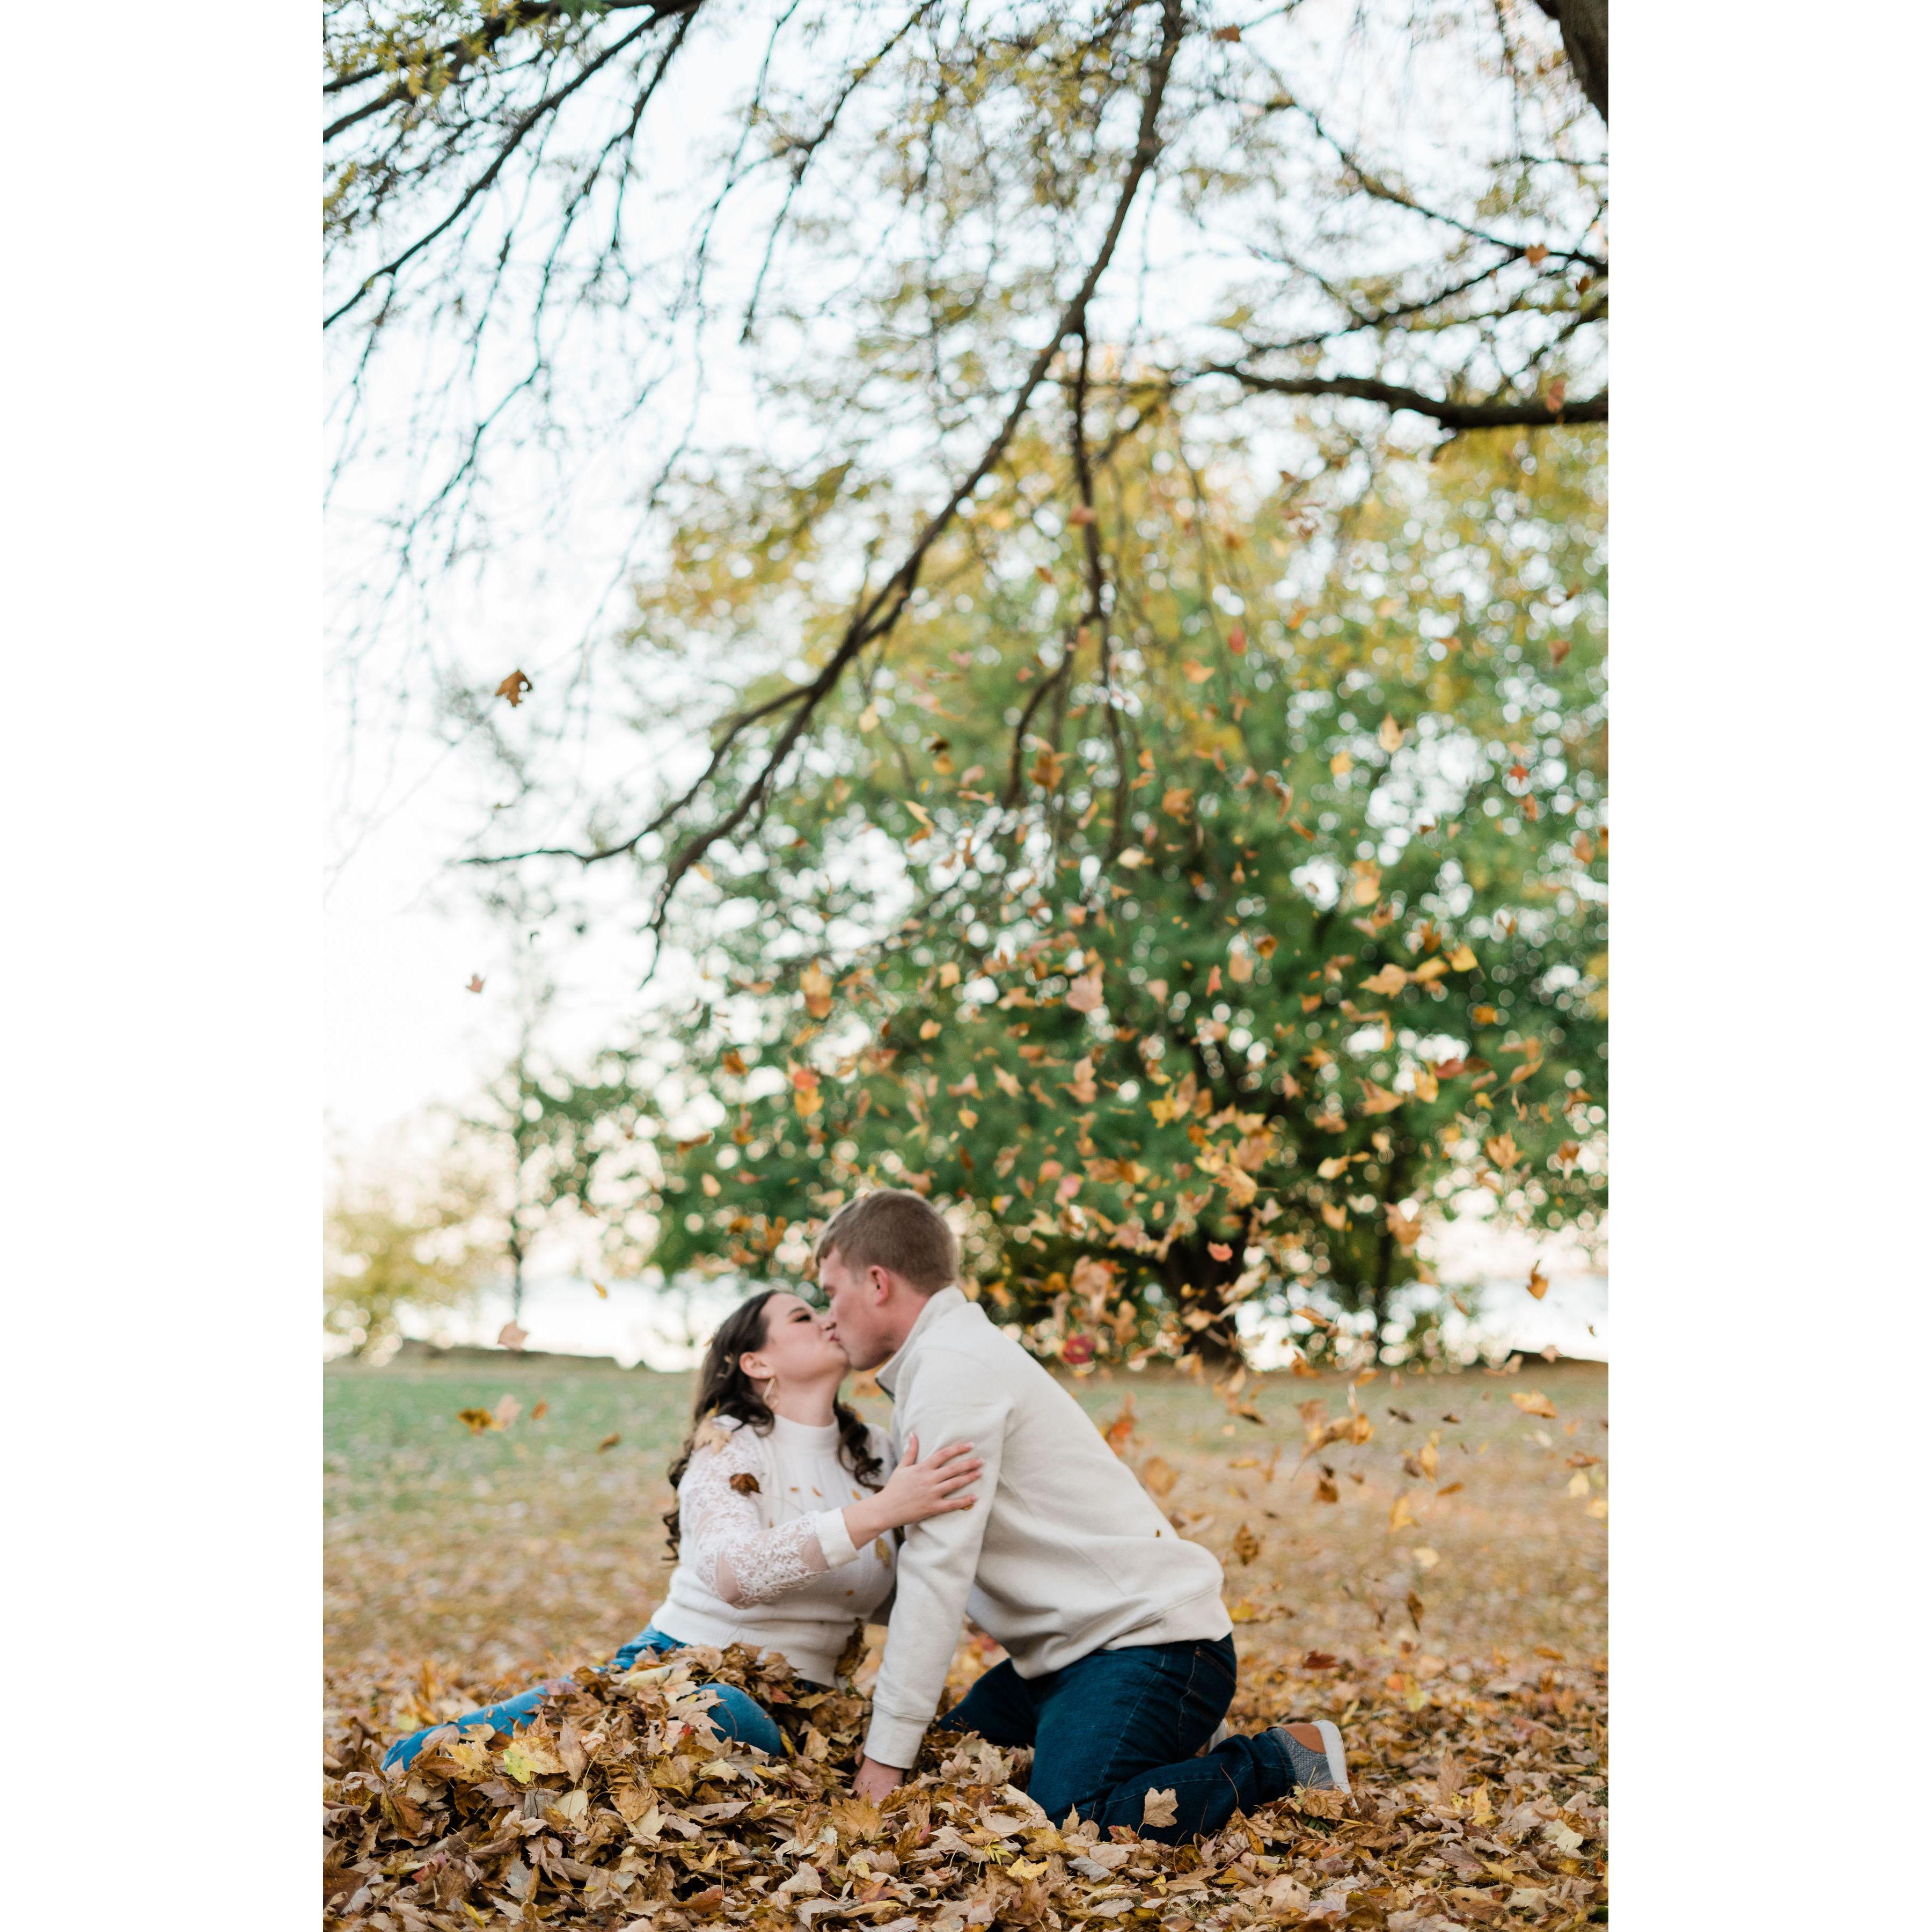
(763, 1558)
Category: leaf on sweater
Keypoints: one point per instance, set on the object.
(745, 1484)
(1159, 1808)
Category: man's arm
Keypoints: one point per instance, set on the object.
(936, 1564)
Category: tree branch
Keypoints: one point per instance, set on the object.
(1495, 414)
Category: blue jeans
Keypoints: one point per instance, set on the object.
(740, 1717)
(1116, 1724)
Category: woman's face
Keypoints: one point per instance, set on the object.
(797, 1348)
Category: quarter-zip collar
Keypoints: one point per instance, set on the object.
(947, 1299)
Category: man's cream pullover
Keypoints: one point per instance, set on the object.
(1065, 1552)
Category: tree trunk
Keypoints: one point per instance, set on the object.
(1586, 42)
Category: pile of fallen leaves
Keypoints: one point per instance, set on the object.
(1478, 1802)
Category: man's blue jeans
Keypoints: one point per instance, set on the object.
(738, 1717)
(1116, 1724)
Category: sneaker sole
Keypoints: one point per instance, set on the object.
(1338, 1763)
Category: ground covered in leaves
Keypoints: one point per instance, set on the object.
(1445, 1606)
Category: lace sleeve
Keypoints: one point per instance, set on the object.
(724, 1533)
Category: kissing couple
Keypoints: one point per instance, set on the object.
(794, 1518)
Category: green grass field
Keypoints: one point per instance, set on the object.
(494, 1554)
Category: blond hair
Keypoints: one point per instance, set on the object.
(891, 1228)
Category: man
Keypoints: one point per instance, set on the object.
(1120, 1659)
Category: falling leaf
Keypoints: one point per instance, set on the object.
(1534, 1403)
(1425, 1558)
(929, 1029)
(1538, 1283)
(510, 1336)
(1449, 1489)
(475, 985)
(1536, 254)
(1238, 638)
(1119, 1432)
(949, 973)
(507, 1410)
(1132, 857)
(1390, 735)
(1220, 1251)
(1559, 649)
(610, 1441)
(1083, 993)
(513, 688)
(1196, 673)
(1081, 513)
(541, 1410)
(1341, 764)
(1158, 1475)
(1578, 1484)
(734, 1061)
(1325, 1492)
(1221, 33)
(745, 1484)
(1177, 801)
(1400, 1516)
(815, 983)
(603, 1293)
(1463, 960)
(478, 1420)
(709, 1183)
(1246, 1545)
(1158, 1808)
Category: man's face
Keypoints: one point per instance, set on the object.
(853, 1299)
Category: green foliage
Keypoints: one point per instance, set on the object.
(388, 1249)
(1191, 950)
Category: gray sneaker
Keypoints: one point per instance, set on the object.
(1315, 1755)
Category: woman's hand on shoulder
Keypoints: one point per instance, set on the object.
(918, 1489)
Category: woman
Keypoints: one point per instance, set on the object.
(781, 1527)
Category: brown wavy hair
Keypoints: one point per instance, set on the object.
(725, 1389)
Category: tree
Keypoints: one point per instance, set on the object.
(1196, 965)
(391, 1247)
(1351, 225)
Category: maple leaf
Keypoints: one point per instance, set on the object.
(513, 688)
(1083, 993)
(1158, 1808)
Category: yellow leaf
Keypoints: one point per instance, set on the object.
(1158, 1475)
(928, 1029)
(1378, 1099)
(1462, 960)
(1336, 1217)
(1579, 1484)
(1385, 984)
(709, 1183)
(1240, 966)
(1196, 673)
(1132, 857)
(1426, 1559)
(1598, 1507)
(949, 974)
(1429, 969)
(815, 983)
(1341, 764)
(1336, 1165)
(1534, 1403)
(1399, 1515)
(1247, 1545)
(1390, 736)
(1538, 1283)
(1500, 1148)
(1368, 877)
(1177, 801)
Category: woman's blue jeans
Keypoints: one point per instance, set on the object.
(738, 1717)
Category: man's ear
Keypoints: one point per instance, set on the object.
(882, 1283)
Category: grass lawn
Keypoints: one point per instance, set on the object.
(1438, 1588)
(488, 1554)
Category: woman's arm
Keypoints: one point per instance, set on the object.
(916, 1491)
(725, 1537)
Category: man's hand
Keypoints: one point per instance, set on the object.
(874, 1779)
